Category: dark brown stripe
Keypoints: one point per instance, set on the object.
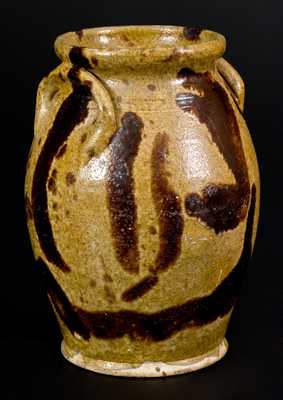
(83, 137)
(78, 59)
(61, 151)
(61, 302)
(70, 179)
(167, 205)
(151, 87)
(79, 33)
(51, 184)
(191, 33)
(221, 207)
(120, 189)
(140, 288)
(163, 324)
(94, 61)
(72, 112)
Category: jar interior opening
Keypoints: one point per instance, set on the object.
(137, 37)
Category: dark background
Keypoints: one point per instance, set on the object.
(30, 340)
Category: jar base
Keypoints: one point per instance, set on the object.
(147, 369)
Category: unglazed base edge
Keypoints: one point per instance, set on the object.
(147, 369)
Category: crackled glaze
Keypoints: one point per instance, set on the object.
(142, 194)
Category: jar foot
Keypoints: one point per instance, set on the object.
(147, 369)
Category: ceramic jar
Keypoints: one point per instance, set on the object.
(142, 197)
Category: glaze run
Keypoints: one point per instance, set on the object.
(192, 33)
(61, 151)
(72, 112)
(167, 206)
(120, 191)
(163, 324)
(80, 34)
(221, 207)
(139, 289)
(78, 59)
(51, 184)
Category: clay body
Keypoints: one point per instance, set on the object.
(142, 197)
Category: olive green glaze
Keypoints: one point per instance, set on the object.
(142, 192)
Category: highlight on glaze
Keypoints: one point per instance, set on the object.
(221, 207)
(143, 258)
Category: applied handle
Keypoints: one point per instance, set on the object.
(233, 78)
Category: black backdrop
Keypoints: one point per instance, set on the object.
(30, 340)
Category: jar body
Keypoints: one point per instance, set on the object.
(142, 193)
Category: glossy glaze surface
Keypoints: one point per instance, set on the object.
(142, 191)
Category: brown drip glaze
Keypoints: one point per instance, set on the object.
(61, 151)
(79, 33)
(78, 59)
(159, 325)
(221, 207)
(109, 294)
(192, 33)
(72, 112)
(70, 179)
(151, 87)
(120, 191)
(51, 184)
(140, 288)
(94, 61)
(83, 138)
(167, 205)
(152, 230)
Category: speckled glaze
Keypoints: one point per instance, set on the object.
(142, 197)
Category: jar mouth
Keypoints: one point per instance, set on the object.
(141, 44)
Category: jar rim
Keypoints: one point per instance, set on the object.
(142, 44)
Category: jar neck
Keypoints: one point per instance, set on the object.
(141, 47)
